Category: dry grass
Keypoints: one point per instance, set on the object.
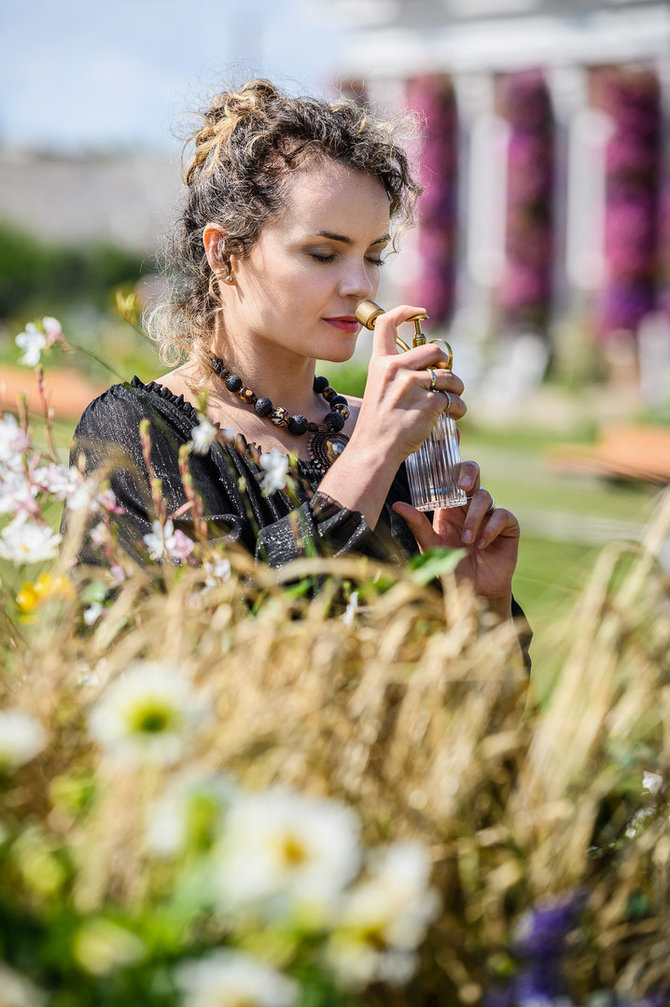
(419, 714)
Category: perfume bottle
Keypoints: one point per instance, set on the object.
(433, 470)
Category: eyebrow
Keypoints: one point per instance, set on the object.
(347, 241)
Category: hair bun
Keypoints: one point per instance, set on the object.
(227, 111)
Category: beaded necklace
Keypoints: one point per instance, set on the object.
(327, 441)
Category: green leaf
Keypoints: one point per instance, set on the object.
(434, 563)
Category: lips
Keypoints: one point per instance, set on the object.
(346, 323)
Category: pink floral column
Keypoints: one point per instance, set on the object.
(526, 290)
(632, 99)
(432, 97)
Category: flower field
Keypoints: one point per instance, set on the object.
(223, 785)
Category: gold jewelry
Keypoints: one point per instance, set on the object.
(433, 379)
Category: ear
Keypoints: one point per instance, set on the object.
(214, 240)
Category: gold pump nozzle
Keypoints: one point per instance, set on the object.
(369, 311)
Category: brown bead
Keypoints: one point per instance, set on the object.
(247, 396)
(342, 410)
(329, 393)
(280, 416)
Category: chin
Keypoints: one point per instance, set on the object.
(340, 353)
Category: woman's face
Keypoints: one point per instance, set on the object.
(312, 265)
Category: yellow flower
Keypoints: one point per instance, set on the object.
(46, 587)
(127, 306)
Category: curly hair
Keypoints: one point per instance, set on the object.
(249, 142)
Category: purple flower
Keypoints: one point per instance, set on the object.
(526, 289)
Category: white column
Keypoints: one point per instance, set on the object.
(483, 198)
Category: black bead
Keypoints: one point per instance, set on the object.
(234, 383)
(263, 406)
(297, 424)
(217, 365)
(329, 393)
(338, 400)
(320, 384)
(312, 427)
(333, 421)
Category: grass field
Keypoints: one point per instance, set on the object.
(565, 519)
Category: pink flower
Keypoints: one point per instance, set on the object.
(163, 541)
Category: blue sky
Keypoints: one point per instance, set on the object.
(99, 73)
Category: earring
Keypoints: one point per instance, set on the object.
(228, 279)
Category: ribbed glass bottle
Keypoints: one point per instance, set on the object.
(433, 470)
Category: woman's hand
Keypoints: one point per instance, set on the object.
(396, 415)
(489, 534)
(399, 409)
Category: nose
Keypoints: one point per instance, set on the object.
(360, 281)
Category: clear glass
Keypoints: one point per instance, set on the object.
(433, 470)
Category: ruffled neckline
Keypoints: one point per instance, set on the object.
(309, 468)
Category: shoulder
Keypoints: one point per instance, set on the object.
(113, 419)
(118, 404)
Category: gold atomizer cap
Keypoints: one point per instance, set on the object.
(367, 313)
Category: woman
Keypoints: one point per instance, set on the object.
(289, 214)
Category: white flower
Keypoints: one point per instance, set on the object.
(164, 541)
(147, 714)
(203, 435)
(26, 541)
(652, 782)
(99, 535)
(275, 466)
(17, 991)
(93, 613)
(351, 610)
(384, 918)
(32, 342)
(17, 494)
(216, 572)
(193, 810)
(286, 851)
(53, 329)
(234, 979)
(22, 737)
(58, 480)
(12, 442)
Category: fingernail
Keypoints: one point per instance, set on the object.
(465, 482)
(466, 537)
(481, 543)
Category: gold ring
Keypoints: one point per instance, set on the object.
(433, 379)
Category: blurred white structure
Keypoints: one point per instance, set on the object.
(473, 42)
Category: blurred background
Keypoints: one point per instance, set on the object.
(542, 250)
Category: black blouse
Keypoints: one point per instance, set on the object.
(275, 528)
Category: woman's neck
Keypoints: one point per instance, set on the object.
(271, 371)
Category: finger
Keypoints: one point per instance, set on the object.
(481, 504)
(430, 355)
(419, 525)
(501, 524)
(445, 381)
(445, 402)
(469, 476)
(386, 325)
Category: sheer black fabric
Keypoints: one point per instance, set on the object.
(275, 528)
